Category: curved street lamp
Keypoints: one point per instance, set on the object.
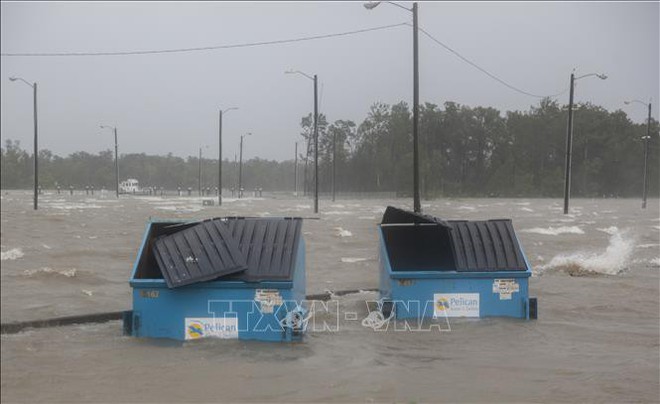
(416, 198)
(36, 149)
(316, 135)
(647, 138)
(569, 136)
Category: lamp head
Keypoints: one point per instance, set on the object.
(627, 102)
(371, 5)
(602, 76)
(13, 79)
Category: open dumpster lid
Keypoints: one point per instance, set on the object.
(269, 246)
(198, 253)
(394, 215)
(413, 244)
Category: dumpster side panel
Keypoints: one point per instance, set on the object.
(461, 297)
(192, 313)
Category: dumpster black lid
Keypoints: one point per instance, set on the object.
(199, 253)
(455, 245)
(269, 245)
(394, 215)
(486, 245)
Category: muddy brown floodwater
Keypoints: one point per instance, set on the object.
(596, 275)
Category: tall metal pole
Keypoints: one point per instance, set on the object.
(295, 171)
(199, 178)
(240, 170)
(334, 165)
(645, 190)
(220, 159)
(316, 146)
(416, 202)
(116, 165)
(569, 147)
(36, 150)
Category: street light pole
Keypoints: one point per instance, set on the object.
(114, 130)
(416, 198)
(316, 137)
(416, 202)
(295, 171)
(116, 165)
(316, 146)
(240, 167)
(199, 177)
(569, 137)
(569, 147)
(646, 160)
(220, 153)
(334, 161)
(647, 139)
(36, 138)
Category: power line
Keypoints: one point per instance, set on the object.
(486, 72)
(205, 48)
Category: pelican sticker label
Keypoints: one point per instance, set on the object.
(211, 327)
(505, 288)
(456, 305)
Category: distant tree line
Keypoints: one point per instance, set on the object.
(464, 151)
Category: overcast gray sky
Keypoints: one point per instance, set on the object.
(169, 102)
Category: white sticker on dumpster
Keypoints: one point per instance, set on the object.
(211, 327)
(456, 305)
(505, 287)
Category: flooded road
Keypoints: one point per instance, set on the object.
(596, 277)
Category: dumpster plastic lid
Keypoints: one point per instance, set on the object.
(394, 215)
(487, 245)
(199, 253)
(269, 246)
(454, 245)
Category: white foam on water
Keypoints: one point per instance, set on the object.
(69, 273)
(612, 261)
(648, 245)
(340, 232)
(338, 212)
(350, 260)
(14, 253)
(554, 231)
(367, 217)
(656, 227)
(87, 292)
(47, 247)
(527, 209)
(465, 207)
(609, 230)
(304, 206)
(655, 261)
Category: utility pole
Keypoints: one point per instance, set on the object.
(417, 207)
(240, 167)
(334, 160)
(569, 137)
(199, 178)
(116, 164)
(569, 147)
(36, 150)
(220, 159)
(316, 146)
(36, 138)
(645, 189)
(295, 171)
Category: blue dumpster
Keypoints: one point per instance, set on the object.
(431, 268)
(233, 278)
